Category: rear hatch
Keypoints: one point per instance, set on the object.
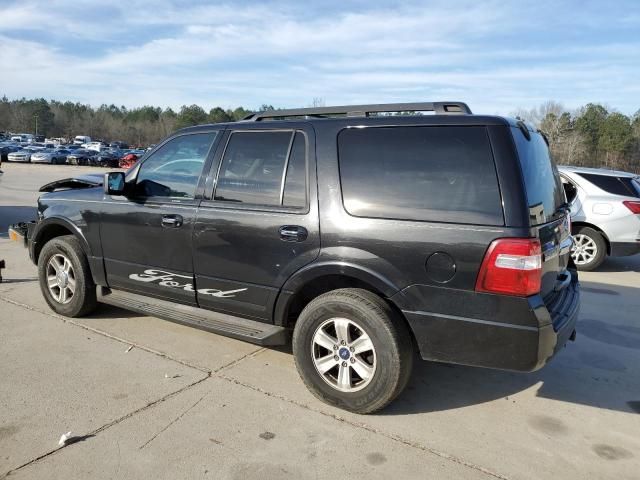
(548, 210)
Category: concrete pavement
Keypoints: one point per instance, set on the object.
(233, 410)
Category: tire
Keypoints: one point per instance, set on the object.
(589, 250)
(65, 254)
(389, 361)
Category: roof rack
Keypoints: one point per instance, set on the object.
(440, 108)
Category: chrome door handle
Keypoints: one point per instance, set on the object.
(293, 233)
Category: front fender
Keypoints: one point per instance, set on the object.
(43, 230)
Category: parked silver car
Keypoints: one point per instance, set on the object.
(605, 213)
(23, 155)
(53, 156)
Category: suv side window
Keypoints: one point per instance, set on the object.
(440, 174)
(264, 168)
(614, 185)
(174, 169)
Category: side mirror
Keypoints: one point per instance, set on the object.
(114, 183)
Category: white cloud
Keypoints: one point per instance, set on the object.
(495, 56)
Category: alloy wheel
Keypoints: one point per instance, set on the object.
(584, 249)
(61, 278)
(343, 354)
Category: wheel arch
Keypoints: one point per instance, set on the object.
(53, 227)
(578, 224)
(310, 282)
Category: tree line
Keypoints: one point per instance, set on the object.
(137, 126)
(592, 136)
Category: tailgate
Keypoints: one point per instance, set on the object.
(555, 239)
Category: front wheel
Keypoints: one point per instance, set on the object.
(352, 350)
(589, 249)
(65, 278)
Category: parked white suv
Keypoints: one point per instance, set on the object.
(605, 213)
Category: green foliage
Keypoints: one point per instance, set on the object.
(616, 134)
(190, 115)
(137, 126)
(592, 136)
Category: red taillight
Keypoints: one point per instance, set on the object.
(511, 266)
(633, 206)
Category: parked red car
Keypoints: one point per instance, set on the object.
(128, 160)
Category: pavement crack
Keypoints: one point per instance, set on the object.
(70, 321)
(171, 423)
(106, 426)
(369, 428)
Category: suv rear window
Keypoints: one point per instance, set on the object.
(545, 194)
(440, 174)
(615, 185)
(264, 168)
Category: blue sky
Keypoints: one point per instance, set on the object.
(497, 56)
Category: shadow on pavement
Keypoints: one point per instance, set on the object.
(108, 311)
(598, 370)
(621, 264)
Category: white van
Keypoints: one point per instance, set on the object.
(23, 138)
(81, 139)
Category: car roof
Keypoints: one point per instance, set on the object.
(372, 120)
(596, 171)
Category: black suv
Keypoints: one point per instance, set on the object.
(368, 235)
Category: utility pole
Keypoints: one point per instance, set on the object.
(36, 117)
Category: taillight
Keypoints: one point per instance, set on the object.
(511, 266)
(633, 206)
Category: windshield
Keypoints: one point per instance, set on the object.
(545, 194)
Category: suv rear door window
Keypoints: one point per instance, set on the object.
(615, 185)
(441, 174)
(256, 165)
(545, 194)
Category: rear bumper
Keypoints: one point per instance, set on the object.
(494, 342)
(624, 249)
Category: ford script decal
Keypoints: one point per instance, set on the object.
(168, 279)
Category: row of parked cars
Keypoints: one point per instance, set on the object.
(112, 155)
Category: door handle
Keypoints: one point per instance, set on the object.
(173, 221)
(293, 233)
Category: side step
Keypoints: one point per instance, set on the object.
(228, 325)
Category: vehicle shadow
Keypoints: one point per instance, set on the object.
(598, 370)
(107, 312)
(621, 264)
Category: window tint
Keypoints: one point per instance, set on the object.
(253, 169)
(295, 185)
(443, 174)
(614, 185)
(174, 169)
(541, 178)
(570, 190)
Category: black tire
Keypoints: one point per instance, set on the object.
(83, 300)
(389, 335)
(600, 245)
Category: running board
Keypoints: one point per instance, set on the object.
(239, 328)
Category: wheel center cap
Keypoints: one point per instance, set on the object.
(62, 279)
(344, 353)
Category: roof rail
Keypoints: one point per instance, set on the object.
(440, 108)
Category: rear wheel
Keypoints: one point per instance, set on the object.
(65, 278)
(352, 350)
(589, 249)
